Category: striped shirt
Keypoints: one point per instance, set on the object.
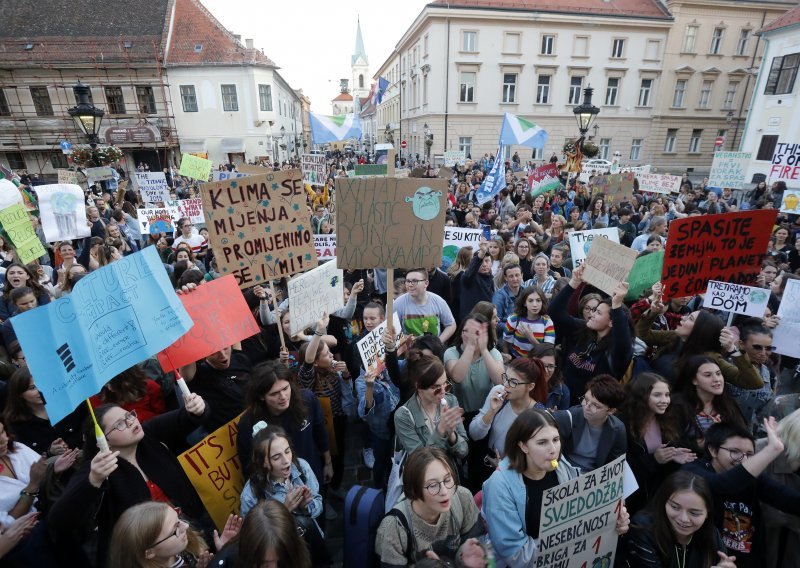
(542, 329)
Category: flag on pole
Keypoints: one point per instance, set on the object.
(496, 178)
(326, 129)
(521, 132)
(383, 84)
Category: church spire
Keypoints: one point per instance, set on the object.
(359, 51)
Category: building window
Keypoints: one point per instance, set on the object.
(636, 148)
(611, 91)
(425, 44)
(115, 100)
(146, 99)
(575, 87)
(694, 142)
(716, 41)
(59, 161)
(469, 41)
(4, 108)
(605, 148)
(465, 145)
(741, 45)
(511, 43)
(548, 44)
(230, 102)
(543, 90)
(41, 101)
(644, 92)
(16, 161)
(265, 98)
(537, 154)
(467, 90)
(618, 48)
(782, 74)
(680, 92)
(188, 98)
(767, 147)
(509, 87)
(361, 81)
(690, 39)
(669, 143)
(730, 95)
(705, 94)
(424, 89)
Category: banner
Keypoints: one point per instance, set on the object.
(454, 158)
(617, 187)
(155, 220)
(578, 526)
(317, 291)
(737, 298)
(658, 183)
(115, 317)
(259, 226)
(325, 245)
(646, 271)
(790, 201)
(389, 222)
(607, 264)
(786, 162)
(580, 241)
(456, 238)
(17, 225)
(544, 179)
(372, 350)
(62, 212)
(495, 179)
(214, 470)
(728, 169)
(314, 168)
(152, 186)
(68, 176)
(728, 248)
(229, 322)
(784, 337)
(195, 168)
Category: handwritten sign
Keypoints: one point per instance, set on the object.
(454, 157)
(229, 322)
(99, 174)
(259, 226)
(314, 168)
(152, 186)
(372, 350)
(736, 298)
(646, 271)
(784, 337)
(195, 168)
(618, 187)
(581, 241)
(658, 183)
(607, 264)
(214, 470)
(325, 245)
(68, 176)
(115, 317)
(62, 212)
(390, 222)
(579, 517)
(544, 179)
(728, 169)
(727, 248)
(191, 208)
(17, 225)
(790, 203)
(786, 162)
(317, 291)
(456, 238)
(155, 220)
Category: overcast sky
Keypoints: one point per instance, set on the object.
(312, 40)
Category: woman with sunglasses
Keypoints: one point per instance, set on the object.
(139, 466)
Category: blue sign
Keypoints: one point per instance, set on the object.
(115, 317)
(66, 147)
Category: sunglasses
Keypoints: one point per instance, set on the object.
(436, 389)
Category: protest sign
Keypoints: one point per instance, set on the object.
(115, 317)
(68, 176)
(456, 238)
(325, 245)
(786, 162)
(728, 248)
(221, 176)
(372, 350)
(62, 212)
(646, 271)
(214, 470)
(195, 168)
(784, 337)
(314, 168)
(221, 318)
(790, 201)
(390, 222)
(155, 220)
(728, 169)
(259, 226)
(371, 169)
(152, 186)
(9, 194)
(580, 241)
(191, 208)
(17, 225)
(607, 264)
(454, 157)
(658, 183)
(544, 179)
(617, 187)
(737, 298)
(579, 519)
(317, 291)
(99, 174)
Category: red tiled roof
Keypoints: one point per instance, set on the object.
(629, 8)
(343, 97)
(790, 18)
(194, 25)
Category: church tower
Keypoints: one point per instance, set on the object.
(360, 66)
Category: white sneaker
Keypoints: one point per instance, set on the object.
(369, 457)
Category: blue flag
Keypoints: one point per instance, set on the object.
(326, 129)
(114, 318)
(517, 130)
(495, 180)
(380, 90)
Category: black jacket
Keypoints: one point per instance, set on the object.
(474, 287)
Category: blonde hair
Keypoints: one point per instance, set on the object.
(789, 432)
(500, 277)
(461, 262)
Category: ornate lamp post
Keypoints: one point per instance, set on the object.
(87, 117)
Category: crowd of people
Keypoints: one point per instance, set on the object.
(513, 376)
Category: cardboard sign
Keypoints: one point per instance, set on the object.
(618, 187)
(191, 208)
(155, 220)
(579, 519)
(68, 176)
(372, 350)
(249, 170)
(454, 157)
(390, 222)
(325, 245)
(62, 212)
(728, 248)
(152, 186)
(736, 298)
(259, 226)
(607, 264)
(214, 470)
(99, 174)
(784, 337)
(115, 317)
(786, 162)
(221, 318)
(17, 225)
(728, 169)
(646, 271)
(791, 201)
(314, 168)
(658, 183)
(580, 241)
(317, 291)
(195, 168)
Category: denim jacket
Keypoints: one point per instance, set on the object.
(385, 398)
(505, 303)
(277, 491)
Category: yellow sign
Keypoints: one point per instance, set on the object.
(18, 227)
(195, 168)
(214, 469)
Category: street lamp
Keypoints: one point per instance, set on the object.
(586, 112)
(87, 117)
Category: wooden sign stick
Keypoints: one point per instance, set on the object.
(390, 300)
(275, 303)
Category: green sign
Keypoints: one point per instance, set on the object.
(646, 271)
(195, 168)
(371, 170)
(19, 229)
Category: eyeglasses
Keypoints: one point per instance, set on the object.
(123, 423)
(737, 455)
(763, 347)
(435, 487)
(414, 282)
(439, 388)
(513, 383)
(549, 367)
(593, 406)
(179, 528)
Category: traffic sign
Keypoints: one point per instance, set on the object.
(720, 141)
(403, 144)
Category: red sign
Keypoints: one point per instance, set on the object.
(542, 172)
(727, 248)
(720, 141)
(403, 144)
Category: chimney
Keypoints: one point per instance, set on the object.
(237, 37)
(249, 43)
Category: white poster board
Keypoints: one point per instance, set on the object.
(454, 158)
(225, 175)
(372, 350)
(736, 298)
(152, 186)
(785, 336)
(99, 174)
(155, 220)
(580, 241)
(607, 264)
(728, 169)
(659, 183)
(325, 246)
(314, 292)
(62, 212)
(314, 168)
(786, 163)
(191, 208)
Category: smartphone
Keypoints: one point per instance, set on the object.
(487, 232)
